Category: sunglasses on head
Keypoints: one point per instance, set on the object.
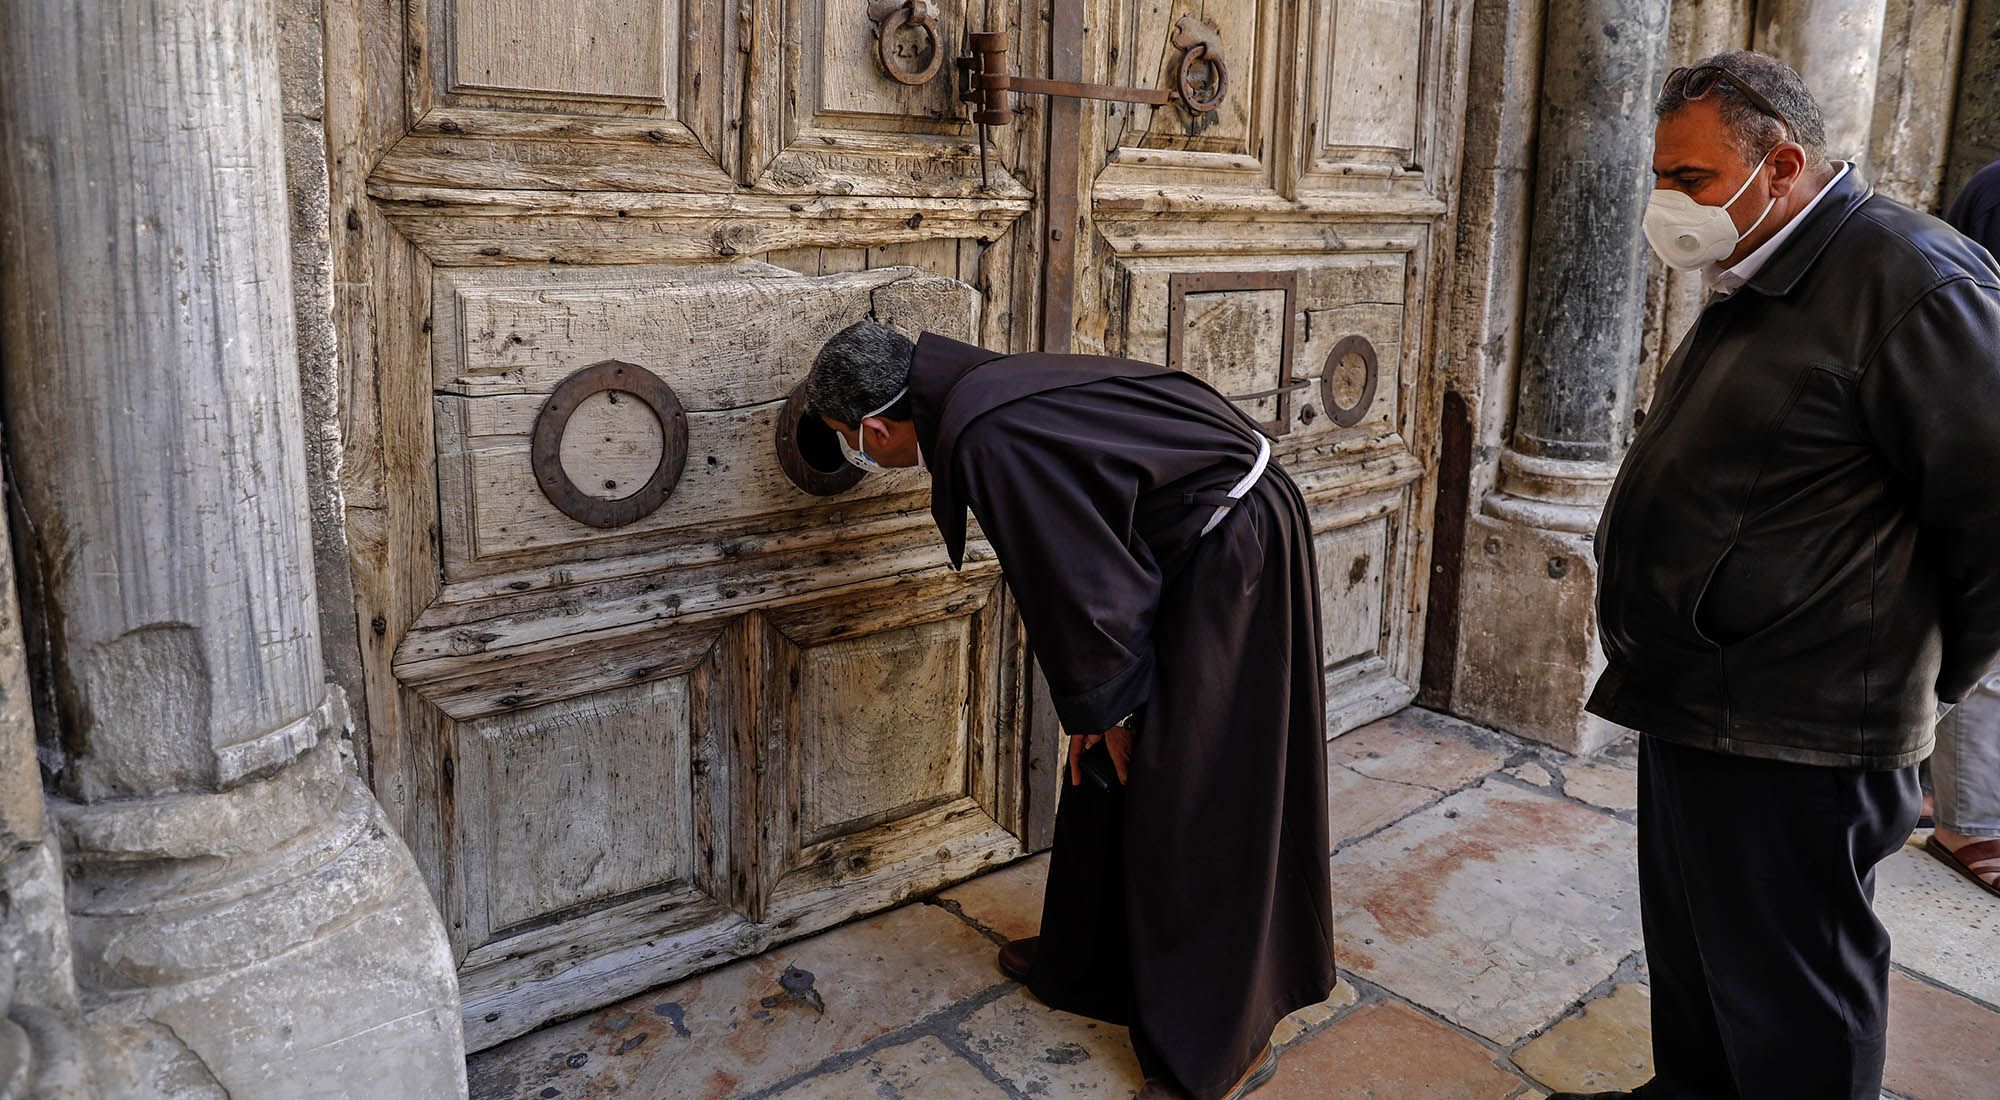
(1695, 82)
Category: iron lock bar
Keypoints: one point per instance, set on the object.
(984, 82)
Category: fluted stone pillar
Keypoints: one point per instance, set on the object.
(1836, 45)
(244, 921)
(1528, 649)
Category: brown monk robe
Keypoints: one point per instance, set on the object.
(1192, 904)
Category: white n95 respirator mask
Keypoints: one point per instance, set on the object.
(1688, 235)
(858, 457)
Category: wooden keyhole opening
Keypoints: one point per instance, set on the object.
(809, 451)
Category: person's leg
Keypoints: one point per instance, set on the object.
(1966, 769)
(1780, 861)
(1689, 1060)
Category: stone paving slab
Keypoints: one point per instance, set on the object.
(1941, 1045)
(1497, 908)
(1388, 1051)
(924, 1068)
(754, 1023)
(1382, 771)
(1940, 925)
(1045, 1053)
(1607, 1045)
(1609, 780)
(1312, 1017)
(1008, 901)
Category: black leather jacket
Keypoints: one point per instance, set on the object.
(1801, 555)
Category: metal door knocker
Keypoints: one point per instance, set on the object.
(1201, 47)
(1356, 348)
(546, 447)
(891, 16)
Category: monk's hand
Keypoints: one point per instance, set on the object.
(1119, 740)
(1080, 743)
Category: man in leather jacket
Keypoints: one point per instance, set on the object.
(1800, 567)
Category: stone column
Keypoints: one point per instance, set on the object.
(244, 920)
(1922, 41)
(1975, 119)
(1528, 639)
(1836, 45)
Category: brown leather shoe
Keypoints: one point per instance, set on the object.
(1253, 1079)
(1018, 957)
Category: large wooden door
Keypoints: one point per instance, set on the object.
(647, 688)
(1286, 246)
(650, 689)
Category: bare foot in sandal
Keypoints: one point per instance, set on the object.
(1975, 857)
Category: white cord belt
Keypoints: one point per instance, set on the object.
(1249, 480)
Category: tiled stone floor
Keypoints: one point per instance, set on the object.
(1488, 925)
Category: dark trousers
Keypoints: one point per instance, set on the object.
(1770, 972)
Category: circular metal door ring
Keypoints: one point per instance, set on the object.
(1197, 99)
(808, 452)
(885, 37)
(1347, 416)
(546, 448)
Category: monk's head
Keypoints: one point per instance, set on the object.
(1742, 140)
(858, 387)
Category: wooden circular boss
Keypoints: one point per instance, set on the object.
(546, 449)
(1347, 416)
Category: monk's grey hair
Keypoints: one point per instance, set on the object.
(859, 368)
(1755, 133)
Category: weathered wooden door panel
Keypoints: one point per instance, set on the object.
(886, 742)
(1284, 247)
(1312, 346)
(577, 803)
(626, 751)
(1228, 147)
(596, 94)
(635, 734)
(750, 713)
(505, 338)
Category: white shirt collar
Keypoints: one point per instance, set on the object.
(1727, 281)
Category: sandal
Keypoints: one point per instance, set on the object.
(1975, 861)
(1253, 1079)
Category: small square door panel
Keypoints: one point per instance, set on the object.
(1352, 565)
(882, 726)
(576, 803)
(582, 48)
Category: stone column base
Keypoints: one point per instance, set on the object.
(1528, 653)
(269, 939)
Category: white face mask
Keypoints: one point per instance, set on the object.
(858, 456)
(1688, 235)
